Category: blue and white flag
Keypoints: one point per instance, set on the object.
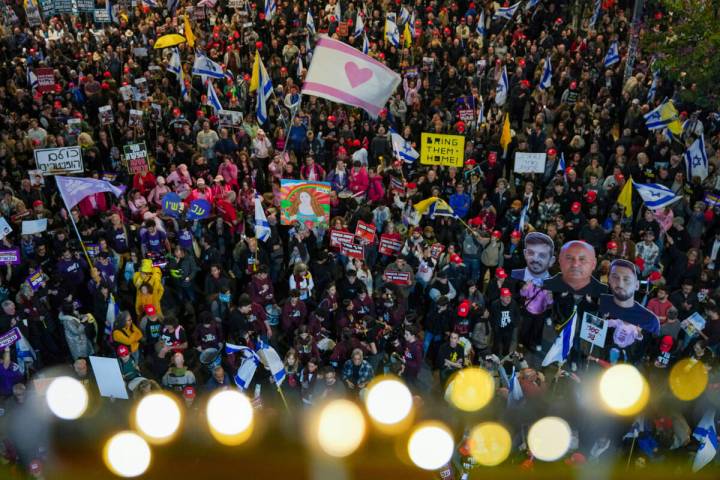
(531, 4)
(561, 164)
(402, 148)
(272, 361)
(174, 64)
(480, 28)
(171, 6)
(560, 349)
(612, 56)
(706, 434)
(636, 428)
(515, 393)
(653, 87)
(262, 227)
(308, 49)
(404, 16)
(365, 45)
(264, 91)
(696, 159)
(150, 3)
(32, 80)
(359, 26)
(310, 23)
(481, 114)
(502, 88)
(546, 79)
(212, 98)
(392, 33)
(338, 11)
(506, 12)
(523, 218)
(111, 11)
(656, 196)
(300, 67)
(597, 11)
(270, 8)
(246, 372)
(205, 67)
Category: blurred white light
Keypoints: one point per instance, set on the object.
(389, 401)
(341, 428)
(158, 416)
(66, 398)
(623, 389)
(127, 454)
(549, 438)
(229, 412)
(431, 446)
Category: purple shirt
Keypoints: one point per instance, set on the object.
(625, 333)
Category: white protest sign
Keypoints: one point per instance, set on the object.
(5, 228)
(693, 324)
(530, 162)
(109, 377)
(594, 330)
(30, 227)
(62, 160)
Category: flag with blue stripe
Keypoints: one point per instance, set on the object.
(596, 13)
(262, 227)
(523, 218)
(359, 26)
(310, 23)
(404, 16)
(150, 3)
(481, 114)
(392, 33)
(706, 434)
(561, 164)
(205, 67)
(270, 8)
(263, 94)
(560, 349)
(365, 45)
(653, 87)
(502, 88)
(662, 116)
(171, 6)
(246, 372)
(546, 79)
(656, 196)
(32, 80)
(111, 9)
(272, 361)
(531, 4)
(506, 12)
(212, 97)
(612, 56)
(480, 27)
(696, 159)
(636, 428)
(403, 150)
(174, 64)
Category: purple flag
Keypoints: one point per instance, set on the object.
(74, 189)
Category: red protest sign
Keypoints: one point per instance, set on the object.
(389, 246)
(338, 238)
(46, 79)
(436, 249)
(398, 278)
(365, 231)
(353, 251)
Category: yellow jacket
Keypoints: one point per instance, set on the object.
(128, 336)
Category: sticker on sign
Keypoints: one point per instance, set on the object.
(61, 160)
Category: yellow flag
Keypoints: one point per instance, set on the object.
(255, 79)
(424, 205)
(625, 197)
(188, 32)
(505, 138)
(408, 37)
(169, 40)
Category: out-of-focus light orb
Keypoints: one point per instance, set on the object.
(158, 417)
(389, 401)
(127, 454)
(624, 390)
(549, 438)
(431, 445)
(490, 444)
(67, 398)
(471, 389)
(230, 417)
(341, 428)
(688, 379)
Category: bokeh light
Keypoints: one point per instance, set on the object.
(490, 443)
(688, 379)
(67, 398)
(158, 417)
(341, 428)
(230, 417)
(388, 401)
(549, 438)
(624, 390)
(471, 389)
(127, 454)
(431, 445)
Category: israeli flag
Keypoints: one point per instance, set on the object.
(310, 23)
(308, 49)
(515, 393)
(653, 87)
(480, 28)
(501, 90)
(661, 116)
(706, 434)
(696, 159)
(612, 56)
(270, 8)
(365, 45)
(263, 94)
(262, 227)
(523, 218)
(560, 349)
(561, 164)
(338, 11)
(392, 33)
(272, 361)
(205, 67)
(656, 196)
(506, 12)
(171, 6)
(636, 429)
(546, 79)
(359, 26)
(403, 150)
(150, 3)
(249, 364)
(32, 80)
(174, 65)
(212, 98)
(481, 114)
(404, 16)
(531, 4)
(300, 67)
(596, 13)
(111, 11)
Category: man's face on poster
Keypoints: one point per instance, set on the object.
(577, 262)
(623, 283)
(539, 258)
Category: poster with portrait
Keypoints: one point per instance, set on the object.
(304, 202)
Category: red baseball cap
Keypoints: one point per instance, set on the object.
(515, 234)
(575, 207)
(464, 308)
(591, 196)
(497, 234)
(470, 162)
(654, 276)
(475, 221)
(666, 343)
(640, 263)
(611, 245)
(505, 292)
(37, 203)
(123, 351)
(500, 273)
(551, 151)
(150, 310)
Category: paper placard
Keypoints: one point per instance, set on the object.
(436, 249)
(389, 246)
(108, 377)
(445, 150)
(398, 278)
(594, 330)
(338, 238)
(365, 231)
(530, 162)
(10, 257)
(31, 227)
(136, 159)
(106, 115)
(694, 324)
(46, 79)
(172, 204)
(5, 228)
(9, 338)
(61, 160)
(353, 251)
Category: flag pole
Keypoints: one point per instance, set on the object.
(632, 448)
(77, 232)
(282, 395)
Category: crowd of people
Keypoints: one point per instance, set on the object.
(164, 294)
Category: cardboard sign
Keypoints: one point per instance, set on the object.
(61, 160)
(65, 6)
(230, 118)
(106, 115)
(136, 159)
(338, 238)
(31, 227)
(172, 204)
(445, 150)
(136, 118)
(594, 330)
(86, 6)
(46, 79)
(101, 15)
(389, 246)
(353, 251)
(155, 112)
(74, 126)
(36, 280)
(33, 14)
(36, 178)
(530, 162)
(9, 338)
(342, 29)
(466, 115)
(398, 278)
(5, 228)
(108, 377)
(10, 257)
(365, 231)
(436, 249)
(199, 209)
(694, 324)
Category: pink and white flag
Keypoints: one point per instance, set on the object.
(343, 74)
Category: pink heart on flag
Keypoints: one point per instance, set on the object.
(356, 75)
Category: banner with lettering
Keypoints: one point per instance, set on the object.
(365, 231)
(389, 246)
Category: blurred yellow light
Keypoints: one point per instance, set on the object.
(158, 417)
(388, 401)
(624, 390)
(67, 398)
(431, 446)
(490, 444)
(127, 454)
(230, 417)
(471, 389)
(549, 438)
(688, 379)
(341, 428)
